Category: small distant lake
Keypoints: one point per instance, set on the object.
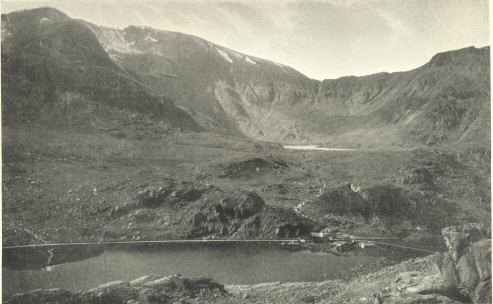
(226, 263)
(313, 147)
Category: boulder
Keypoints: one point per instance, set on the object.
(419, 287)
(160, 283)
(292, 230)
(250, 204)
(470, 259)
(151, 296)
(142, 280)
(463, 273)
(250, 167)
(417, 176)
(141, 215)
(422, 283)
(445, 265)
(481, 251)
(458, 238)
(418, 299)
(143, 290)
(482, 293)
(341, 200)
(153, 196)
(467, 273)
(250, 228)
(112, 292)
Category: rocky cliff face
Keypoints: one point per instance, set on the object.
(225, 90)
(143, 69)
(445, 100)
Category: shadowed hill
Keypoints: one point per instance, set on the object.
(52, 64)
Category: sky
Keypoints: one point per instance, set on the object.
(321, 39)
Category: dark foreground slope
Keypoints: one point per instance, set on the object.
(56, 74)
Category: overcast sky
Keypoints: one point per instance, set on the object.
(322, 39)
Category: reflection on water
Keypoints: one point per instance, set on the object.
(38, 258)
(226, 263)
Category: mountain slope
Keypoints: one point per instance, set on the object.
(445, 101)
(226, 90)
(435, 103)
(54, 69)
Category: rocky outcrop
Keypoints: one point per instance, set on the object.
(470, 254)
(144, 290)
(459, 238)
(196, 210)
(241, 215)
(48, 296)
(462, 274)
(421, 177)
(252, 167)
(158, 196)
(382, 201)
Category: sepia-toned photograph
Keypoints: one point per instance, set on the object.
(246, 151)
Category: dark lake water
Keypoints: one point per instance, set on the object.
(228, 264)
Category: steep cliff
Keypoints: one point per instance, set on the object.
(45, 53)
(444, 101)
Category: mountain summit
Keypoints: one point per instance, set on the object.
(56, 73)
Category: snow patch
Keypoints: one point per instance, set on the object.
(45, 20)
(313, 147)
(225, 55)
(150, 38)
(247, 59)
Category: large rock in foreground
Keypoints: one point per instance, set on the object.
(144, 290)
(462, 274)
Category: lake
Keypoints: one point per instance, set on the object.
(313, 147)
(226, 263)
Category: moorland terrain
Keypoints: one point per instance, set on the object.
(145, 134)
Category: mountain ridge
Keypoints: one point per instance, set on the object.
(229, 92)
(52, 63)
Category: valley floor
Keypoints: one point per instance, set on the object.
(70, 187)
